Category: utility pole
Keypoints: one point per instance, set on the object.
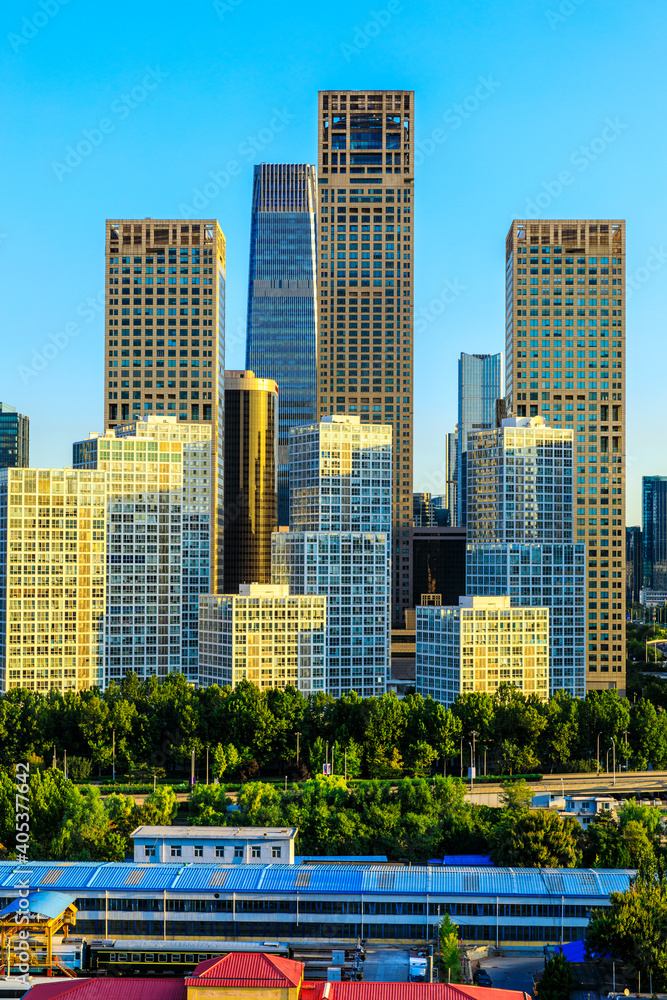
(461, 756)
(474, 735)
(55, 761)
(333, 747)
(192, 770)
(598, 756)
(207, 765)
(297, 747)
(345, 757)
(613, 743)
(113, 753)
(65, 762)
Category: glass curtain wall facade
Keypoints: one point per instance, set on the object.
(14, 438)
(251, 441)
(479, 388)
(654, 532)
(565, 360)
(282, 303)
(452, 475)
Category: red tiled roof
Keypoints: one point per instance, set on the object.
(404, 991)
(242, 969)
(110, 989)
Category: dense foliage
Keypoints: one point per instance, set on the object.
(247, 732)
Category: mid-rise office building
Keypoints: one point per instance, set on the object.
(52, 578)
(479, 645)
(14, 438)
(365, 184)
(565, 360)
(339, 543)
(521, 535)
(654, 532)
(263, 635)
(251, 451)
(480, 377)
(439, 564)
(423, 511)
(282, 298)
(165, 334)
(159, 475)
(633, 564)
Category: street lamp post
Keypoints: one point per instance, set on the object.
(113, 752)
(597, 763)
(613, 744)
(474, 735)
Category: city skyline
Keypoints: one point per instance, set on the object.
(478, 103)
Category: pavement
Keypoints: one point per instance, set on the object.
(513, 972)
(386, 965)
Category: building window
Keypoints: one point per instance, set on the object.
(256, 852)
(276, 852)
(149, 852)
(199, 851)
(238, 852)
(175, 851)
(220, 851)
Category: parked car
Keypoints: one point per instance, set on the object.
(482, 978)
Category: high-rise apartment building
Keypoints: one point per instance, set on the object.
(479, 645)
(165, 333)
(14, 438)
(339, 544)
(521, 534)
(52, 578)
(251, 450)
(654, 532)
(282, 298)
(159, 475)
(479, 388)
(565, 360)
(452, 475)
(263, 635)
(365, 185)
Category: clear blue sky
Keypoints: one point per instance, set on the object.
(182, 89)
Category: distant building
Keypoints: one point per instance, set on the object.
(633, 564)
(583, 808)
(452, 475)
(214, 844)
(654, 532)
(281, 341)
(14, 438)
(479, 645)
(251, 499)
(652, 598)
(480, 377)
(438, 563)
(265, 636)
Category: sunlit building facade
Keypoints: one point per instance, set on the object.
(52, 578)
(480, 378)
(14, 438)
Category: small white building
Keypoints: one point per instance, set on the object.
(583, 808)
(214, 844)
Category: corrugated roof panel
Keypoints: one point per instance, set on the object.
(111, 989)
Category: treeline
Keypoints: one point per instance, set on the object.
(150, 727)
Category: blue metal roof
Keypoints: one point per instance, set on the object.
(330, 859)
(47, 904)
(389, 880)
(466, 859)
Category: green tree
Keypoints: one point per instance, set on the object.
(450, 964)
(538, 838)
(634, 927)
(516, 794)
(557, 979)
(160, 807)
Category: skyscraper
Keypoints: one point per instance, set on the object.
(53, 601)
(168, 275)
(654, 532)
(633, 564)
(365, 183)
(565, 357)
(14, 438)
(251, 443)
(452, 475)
(159, 482)
(521, 535)
(479, 388)
(339, 544)
(281, 340)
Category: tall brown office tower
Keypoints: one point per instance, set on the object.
(365, 195)
(565, 339)
(165, 333)
(251, 470)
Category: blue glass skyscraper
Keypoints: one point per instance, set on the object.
(282, 312)
(654, 531)
(479, 388)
